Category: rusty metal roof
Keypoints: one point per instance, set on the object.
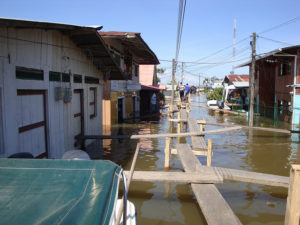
(287, 50)
(134, 42)
(86, 38)
(238, 78)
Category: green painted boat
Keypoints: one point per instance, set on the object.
(67, 192)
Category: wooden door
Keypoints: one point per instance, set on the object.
(78, 117)
(32, 123)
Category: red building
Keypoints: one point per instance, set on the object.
(277, 83)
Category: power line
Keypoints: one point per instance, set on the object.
(181, 13)
(269, 39)
(280, 25)
(265, 31)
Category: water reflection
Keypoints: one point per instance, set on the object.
(164, 203)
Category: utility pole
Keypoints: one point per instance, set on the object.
(234, 40)
(182, 76)
(173, 82)
(252, 81)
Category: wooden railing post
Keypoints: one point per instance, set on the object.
(178, 123)
(292, 214)
(167, 153)
(209, 152)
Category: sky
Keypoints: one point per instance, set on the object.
(208, 28)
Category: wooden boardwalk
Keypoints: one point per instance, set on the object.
(213, 206)
(202, 178)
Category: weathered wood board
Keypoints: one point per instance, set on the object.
(185, 177)
(214, 207)
(198, 142)
(183, 114)
(246, 176)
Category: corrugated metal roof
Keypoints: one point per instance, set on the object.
(117, 33)
(269, 54)
(134, 42)
(238, 78)
(86, 38)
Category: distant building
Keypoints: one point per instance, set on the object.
(51, 81)
(277, 83)
(121, 98)
(148, 80)
(217, 84)
(238, 81)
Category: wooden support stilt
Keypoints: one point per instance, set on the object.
(209, 152)
(178, 124)
(292, 214)
(167, 152)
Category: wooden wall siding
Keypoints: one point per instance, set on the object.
(47, 58)
(1, 120)
(266, 83)
(298, 71)
(32, 122)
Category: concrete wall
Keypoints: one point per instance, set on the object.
(147, 73)
(45, 50)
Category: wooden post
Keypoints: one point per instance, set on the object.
(167, 153)
(292, 214)
(252, 81)
(120, 212)
(178, 124)
(209, 152)
(173, 83)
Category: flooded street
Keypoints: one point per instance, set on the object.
(174, 203)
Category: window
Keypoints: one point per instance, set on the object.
(92, 102)
(285, 68)
(77, 78)
(91, 80)
(57, 76)
(29, 74)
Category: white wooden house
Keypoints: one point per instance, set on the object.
(50, 86)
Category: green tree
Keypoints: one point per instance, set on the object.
(158, 79)
(161, 70)
(216, 94)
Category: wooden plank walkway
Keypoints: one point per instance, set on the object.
(214, 207)
(183, 114)
(185, 177)
(198, 142)
(246, 176)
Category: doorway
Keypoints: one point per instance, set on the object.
(78, 117)
(121, 110)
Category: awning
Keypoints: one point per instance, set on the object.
(43, 191)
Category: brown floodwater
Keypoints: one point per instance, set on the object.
(174, 203)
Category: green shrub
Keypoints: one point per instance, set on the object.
(216, 94)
